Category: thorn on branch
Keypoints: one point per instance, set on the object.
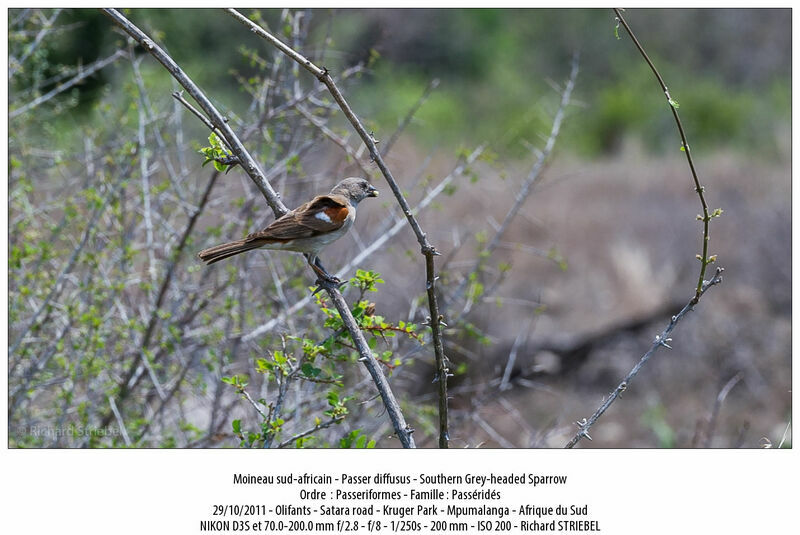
(583, 425)
(317, 290)
(716, 279)
(664, 342)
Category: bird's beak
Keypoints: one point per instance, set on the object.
(373, 192)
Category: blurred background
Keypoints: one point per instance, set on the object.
(120, 337)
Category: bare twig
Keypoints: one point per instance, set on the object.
(712, 422)
(338, 141)
(433, 84)
(298, 436)
(247, 162)
(673, 106)
(250, 166)
(37, 365)
(91, 227)
(426, 248)
(47, 26)
(491, 431)
(120, 422)
(178, 382)
(178, 95)
(163, 154)
(527, 185)
(254, 404)
(131, 378)
(82, 74)
(275, 413)
(662, 340)
(144, 171)
(512, 355)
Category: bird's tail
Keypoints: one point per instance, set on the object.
(221, 252)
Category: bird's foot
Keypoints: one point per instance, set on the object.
(326, 280)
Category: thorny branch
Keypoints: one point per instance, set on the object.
(385, 236)
(220, 122)
(428, 250)
(662, 340)
(250, 166)
(702, 285)
(673, 106)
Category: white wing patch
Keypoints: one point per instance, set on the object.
(323, 216)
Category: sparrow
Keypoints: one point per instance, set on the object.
(306, 229)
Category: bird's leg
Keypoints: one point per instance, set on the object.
(316, 265)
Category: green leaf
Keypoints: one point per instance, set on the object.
(263, 365)
(309, 370)
(237, 427)
(333, 398)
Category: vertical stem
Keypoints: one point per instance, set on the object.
(442, 371)
(704, 261)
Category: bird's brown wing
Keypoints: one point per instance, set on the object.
(324, 213)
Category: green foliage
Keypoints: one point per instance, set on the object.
(305, 359)
(366, 280)
(338, 405)
(216, 153)
(237, 381)
(356, 439)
